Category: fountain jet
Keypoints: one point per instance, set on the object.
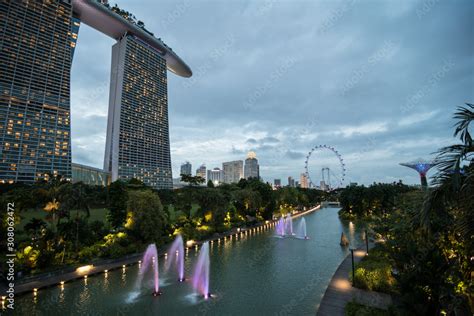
(201, 272)
(289, 225)
(280, 227)
(178, 249)
(301, 230)
(150, 257)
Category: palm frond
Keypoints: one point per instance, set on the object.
(464, 116)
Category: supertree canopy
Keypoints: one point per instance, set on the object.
(421, 166)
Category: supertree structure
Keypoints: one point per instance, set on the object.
(422, 166)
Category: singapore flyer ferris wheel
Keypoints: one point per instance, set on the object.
(325, 168)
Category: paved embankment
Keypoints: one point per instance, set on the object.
(340, 291)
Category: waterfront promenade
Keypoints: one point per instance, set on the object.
(340, 291)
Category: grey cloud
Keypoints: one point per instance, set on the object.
(303, 106)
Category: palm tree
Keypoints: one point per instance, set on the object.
(447, 213)
(53, 187)
(454, 182)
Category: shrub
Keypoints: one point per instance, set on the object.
(374, 273)
(354, 309)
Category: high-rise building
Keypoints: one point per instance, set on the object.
(291, 182)
(215, 175)
(137, 144)
(233, 171)
(304, 181)
(201, 171)
(186, 168)
(277, 183)
(251, 169)
(37, 41)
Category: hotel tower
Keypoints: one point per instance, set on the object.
(37, 41)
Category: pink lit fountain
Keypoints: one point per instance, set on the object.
(150, 258)
(201, 272)
(176, 252)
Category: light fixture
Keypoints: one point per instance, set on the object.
(84, 269)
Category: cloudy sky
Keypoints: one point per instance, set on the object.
(378, 80)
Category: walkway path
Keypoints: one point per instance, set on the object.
(340, 291)
(55, 278)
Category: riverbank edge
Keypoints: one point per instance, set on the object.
(61, 278)
(340, 291)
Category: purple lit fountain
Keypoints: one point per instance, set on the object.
(149, 258)
(201, 272)
(300, 231)
(176, 252)
(289, 225)
(280, 227)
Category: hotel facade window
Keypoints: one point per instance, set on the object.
(36, 46)
(137, 144)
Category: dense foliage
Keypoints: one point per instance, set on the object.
(429, 234)
(65, 233)
(376, 199)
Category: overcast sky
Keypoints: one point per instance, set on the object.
(378, 80)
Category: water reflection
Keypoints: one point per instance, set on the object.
(255, 269)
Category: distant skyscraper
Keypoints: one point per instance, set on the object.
(233, 171)
(137, 143)
(291, 182)
(304, 181)
(186, 168)
(277, 182)
(201, 171)
(252, 169)
(215, 175)
(37, 40)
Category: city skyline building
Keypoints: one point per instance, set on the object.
(277, 183)
(34, 89)
(233, 171)
(215, 175)
(304, 181)
(201, 171)
(291, 182)
(251, 169)
(186, 168)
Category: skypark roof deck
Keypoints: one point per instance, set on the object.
(112, 24)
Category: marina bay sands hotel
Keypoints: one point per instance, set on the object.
(37, 41)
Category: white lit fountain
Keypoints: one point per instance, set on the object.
(300, 231)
